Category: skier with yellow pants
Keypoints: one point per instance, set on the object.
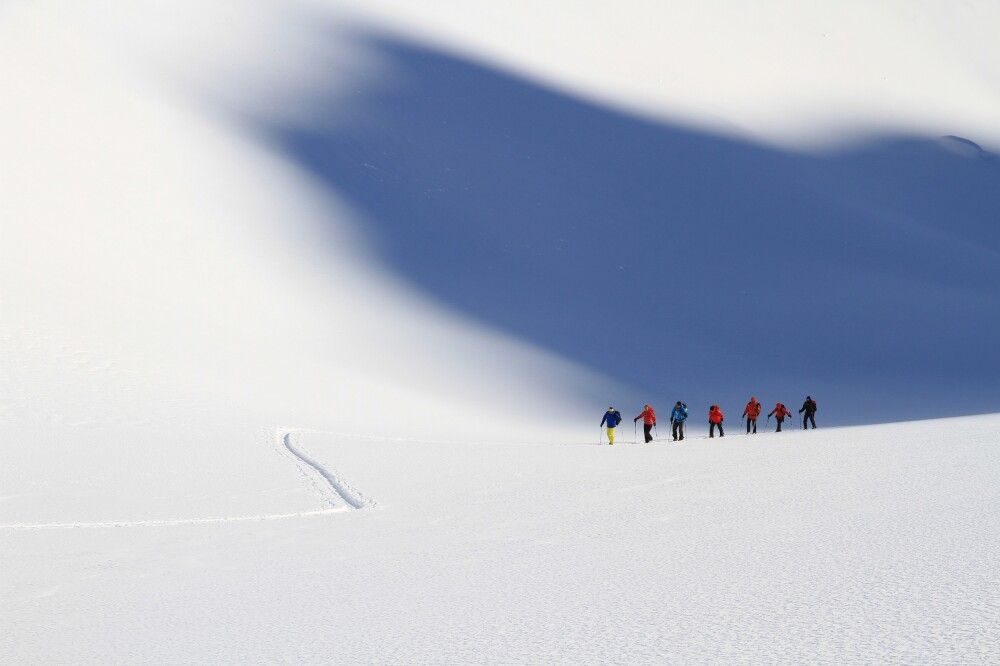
(612, 418)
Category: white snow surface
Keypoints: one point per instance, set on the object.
(229, 435)
(873, 544)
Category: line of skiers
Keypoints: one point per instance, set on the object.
(679, 414)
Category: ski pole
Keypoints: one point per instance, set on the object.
(635, 432)
(656, 434)
(767, 423)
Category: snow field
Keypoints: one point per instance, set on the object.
(847, 545)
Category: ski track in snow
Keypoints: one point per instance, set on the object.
(340, 497)
(335, 490)
(169, 522)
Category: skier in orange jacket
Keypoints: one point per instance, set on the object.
(715, 419)
(648, 416)
(751, 412)
(780, 413)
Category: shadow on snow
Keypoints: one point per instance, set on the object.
(682, 263)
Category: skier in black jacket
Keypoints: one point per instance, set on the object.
(809, 409)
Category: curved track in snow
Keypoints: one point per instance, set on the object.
(339, 493)
(335, 492)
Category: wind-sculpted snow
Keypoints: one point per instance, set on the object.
(685, 264)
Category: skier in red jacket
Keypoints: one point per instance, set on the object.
(715, 418)
(648, 416)
(751, 412)
(780, 412)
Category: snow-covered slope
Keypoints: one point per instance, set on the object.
(287, 212)
(593, 202)
(866, 544)
(164, 299)
(684, 263)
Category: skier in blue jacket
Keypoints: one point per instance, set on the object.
(612, 418)
(677, 418)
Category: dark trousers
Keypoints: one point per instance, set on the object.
(678, 430)
(647, 429)
(807, 419)
(752, 422)
(711, 429)
(780, 421)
